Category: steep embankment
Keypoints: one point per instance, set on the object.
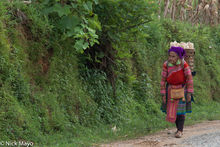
(53, 94)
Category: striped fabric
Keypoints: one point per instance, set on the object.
(176, 107)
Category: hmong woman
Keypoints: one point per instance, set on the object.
(176, 74)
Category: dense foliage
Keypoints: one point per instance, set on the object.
(75, 66)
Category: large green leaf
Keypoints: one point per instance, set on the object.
(59, 9)
(88, 6)
(96, 1)
(69, 22)
(81, 45)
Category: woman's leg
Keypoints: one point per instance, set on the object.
(180, 122)
(179, 125)
(177, 122)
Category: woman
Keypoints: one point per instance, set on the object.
(176, 74)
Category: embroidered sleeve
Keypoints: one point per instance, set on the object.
(189, 79)
(163, 79)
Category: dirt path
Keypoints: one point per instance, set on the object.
(206, 134)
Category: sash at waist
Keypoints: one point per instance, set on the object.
(176, 86)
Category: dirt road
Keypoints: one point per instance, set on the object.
(206, 134)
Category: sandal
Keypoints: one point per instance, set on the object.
(179, 134)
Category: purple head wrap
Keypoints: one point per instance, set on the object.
(179, 50)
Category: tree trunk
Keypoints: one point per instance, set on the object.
(213, 12)
(173, 12)
(182, 10)
(189, 9)
(159, 11)
(167, 2)
(218, 11)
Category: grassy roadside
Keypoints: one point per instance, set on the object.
(104, 134)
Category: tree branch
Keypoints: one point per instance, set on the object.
(135, 25)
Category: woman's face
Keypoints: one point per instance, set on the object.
(173, 57)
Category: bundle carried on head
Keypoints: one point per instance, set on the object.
(190, 52)
(184, 45)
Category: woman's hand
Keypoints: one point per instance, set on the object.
(188, 96)
(164, 99)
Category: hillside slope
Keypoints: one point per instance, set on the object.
(51, 92)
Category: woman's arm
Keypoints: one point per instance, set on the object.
(163, 79)
(189, 79)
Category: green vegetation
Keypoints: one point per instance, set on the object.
(71, 70)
